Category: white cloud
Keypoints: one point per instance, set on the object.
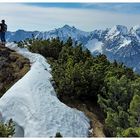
(20, 16)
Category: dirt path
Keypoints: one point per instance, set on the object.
(93, 113)
(96, 125)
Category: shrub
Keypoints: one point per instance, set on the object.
(58, 135)
(7, 129)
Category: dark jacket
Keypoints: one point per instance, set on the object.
(3, 27)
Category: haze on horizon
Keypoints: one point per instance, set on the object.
(84, 16)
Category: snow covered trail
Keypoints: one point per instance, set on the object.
(34, 107)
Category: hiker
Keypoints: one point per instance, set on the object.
(3, 29)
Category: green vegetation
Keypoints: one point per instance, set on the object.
(7, 129)
(58, 135)
(131, 132)
(12, 67)
(79, 75)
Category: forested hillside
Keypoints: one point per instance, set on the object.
(78, 75)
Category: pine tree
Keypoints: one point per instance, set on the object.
(7, 129)
(58, 135)
(135, 111)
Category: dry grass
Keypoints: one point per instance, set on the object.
(14, 66)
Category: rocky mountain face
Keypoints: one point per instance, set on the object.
(63, 33)
(118, 43)
(12, 67)
(123, 45)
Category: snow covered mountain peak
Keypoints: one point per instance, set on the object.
(117, 30)
(135, 30)
(137, 27)
(122, 29)
(116, 42)
(71, 30)
(68, 27)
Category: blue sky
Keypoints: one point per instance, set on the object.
(131, 8)
(85, 16)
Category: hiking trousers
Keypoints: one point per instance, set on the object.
(2, 36)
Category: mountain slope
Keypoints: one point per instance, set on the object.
(118, 43)
(12, 67)
(63, 33)
(123, 46)
(34, 107)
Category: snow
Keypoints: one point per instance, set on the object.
(137, 27)
(63, 33)
(94, 45)
(135, 31)
(112, 34)
(116, 30)
(124, 44)
(34, 107)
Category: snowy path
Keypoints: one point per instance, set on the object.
(33, 105)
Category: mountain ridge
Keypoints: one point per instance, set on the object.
(33, 105)
(118, 43)
(13, 67)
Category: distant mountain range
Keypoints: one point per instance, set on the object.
(118, 43)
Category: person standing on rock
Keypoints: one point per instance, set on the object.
(3, 29)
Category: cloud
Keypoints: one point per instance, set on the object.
(131, 8)
(21, 16)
